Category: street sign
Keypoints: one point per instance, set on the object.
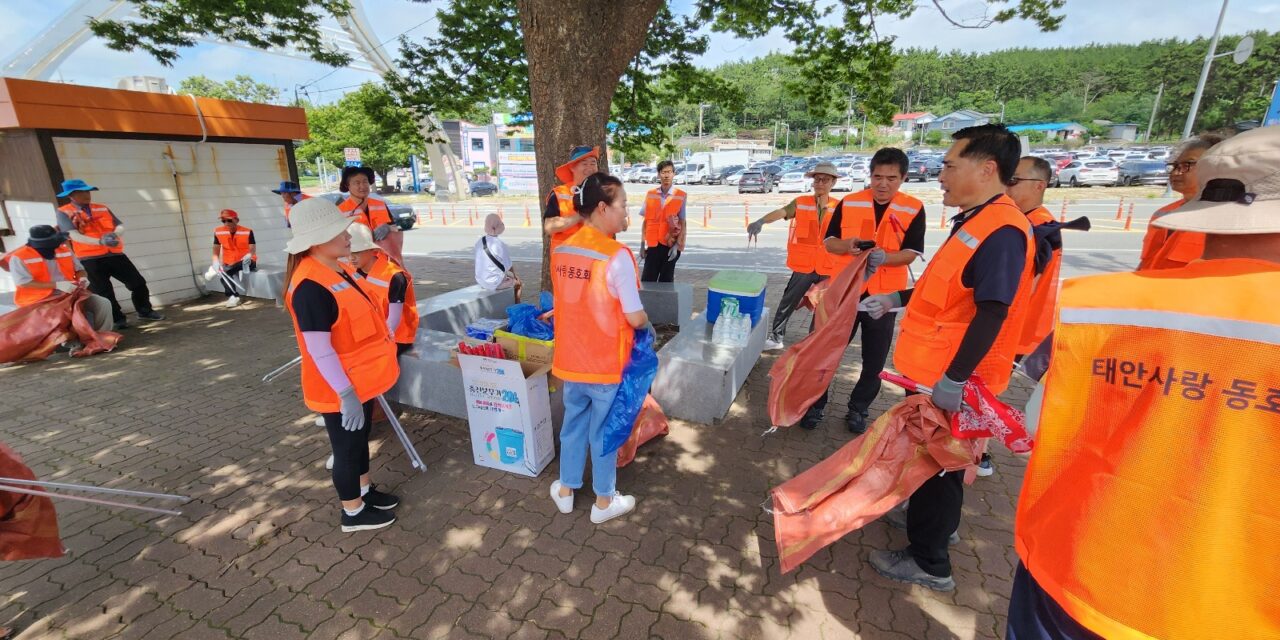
(352, 156)
(1273, 114)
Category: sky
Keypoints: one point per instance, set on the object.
(1087, 21)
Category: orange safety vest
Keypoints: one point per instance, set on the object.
(373, 214)
(359, 337)
(1147, 508)
(1044, 294)
(593, 337)
(234, 246)
(379, 276)
(289, 207)
(858, 220)
(39, 270)
(564, 198)
(941, 307)
(95, 225)
(657, 215)
(1167, 249)
(805, 251)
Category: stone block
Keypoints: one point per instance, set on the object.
(266, 283)
(667, 302)
(698, 380)
(452, 312)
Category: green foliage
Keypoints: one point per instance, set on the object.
(168, 25)
(243, 88)
(933, 138)
(369, 118)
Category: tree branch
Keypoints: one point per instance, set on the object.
(981, 24)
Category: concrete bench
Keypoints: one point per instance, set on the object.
(452, 312)
(430, 381)
(667, 302)
(266, 283)
(698, 380)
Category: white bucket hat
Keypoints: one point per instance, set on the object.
(1239, 188)
(314, 221)
(361, 238)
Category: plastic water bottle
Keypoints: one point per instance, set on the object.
(717, 330)
(744, 329)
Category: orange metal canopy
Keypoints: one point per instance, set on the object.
(32, 104)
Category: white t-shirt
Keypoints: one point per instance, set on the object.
(621, 281)
(488, 275)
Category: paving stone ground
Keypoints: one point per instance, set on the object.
(475, 552)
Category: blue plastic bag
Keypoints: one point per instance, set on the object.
(522, 319)
(637, 376)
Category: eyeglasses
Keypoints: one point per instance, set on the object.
(228, 221)
(1015, 180)
(823, 179)
(1180, 167)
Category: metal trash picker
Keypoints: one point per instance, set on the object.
(17, 485)
(414, 459)
(279, 371)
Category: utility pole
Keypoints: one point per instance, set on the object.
(848, 117)
(787, 151)
(700, 109)
(815, 140)
(1002, 112)
(1154, 107)
(862, 133)
(1204, 73)
(775, 136)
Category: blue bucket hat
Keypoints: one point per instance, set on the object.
(287, 187)
(71, 186)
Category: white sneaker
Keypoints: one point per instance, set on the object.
(563, 503)
(771, 344)
(233, 301)
(620, 505)
(328, 464)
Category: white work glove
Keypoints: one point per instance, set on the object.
(381, 232)
(109, 240)
(65, 287)
(212, 272)
(246, 262)
(947, 394)
(673, 253)
(755, 228)
(874, 260)
(352, 411)
(880, 304)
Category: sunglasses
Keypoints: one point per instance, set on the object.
(1180, 167)
(229, 220)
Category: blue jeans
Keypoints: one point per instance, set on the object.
(585, 408)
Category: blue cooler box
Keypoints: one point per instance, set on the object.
(746, 286)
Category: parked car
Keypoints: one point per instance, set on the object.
(402, 214)
(1089, 172)
(755, 182)
(478, 189)
(733, 178)
(917, 170)
(1144, 172)
(645, 175)
(1158, 154)
(773, 170)
(694, 173)
(846, 182)
(934, 166)
(719, 176)
(795, 182)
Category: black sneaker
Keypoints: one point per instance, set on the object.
(380, 500)
(150, 315)
(367, 519)
(120, 326)
(810, 421)
(857, 422)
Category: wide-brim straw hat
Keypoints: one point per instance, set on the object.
(314, 221)
(1238, 189)
(824, 168)
(347, 172)
(361, 238)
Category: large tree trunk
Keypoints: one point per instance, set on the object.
(577, 51)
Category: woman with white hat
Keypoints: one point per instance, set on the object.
(348, 355)
(390, 285)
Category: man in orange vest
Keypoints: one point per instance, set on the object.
(291, 194)
(97, 238)
(961, 319)
(1130, 524)
(895, 221)
(663, 231)
(45, 267)
(559, 220)
(234, 251)
(1163, 248)
(806, 256)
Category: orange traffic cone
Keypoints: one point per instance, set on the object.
(527, 222)
(1062, 215)
(1120, 208)
(1128, 221)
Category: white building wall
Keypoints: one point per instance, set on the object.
(169, 221)
(23, 215)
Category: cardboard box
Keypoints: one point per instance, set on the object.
(525, 349)
(509, 414)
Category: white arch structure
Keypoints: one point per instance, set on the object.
(40, 57)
